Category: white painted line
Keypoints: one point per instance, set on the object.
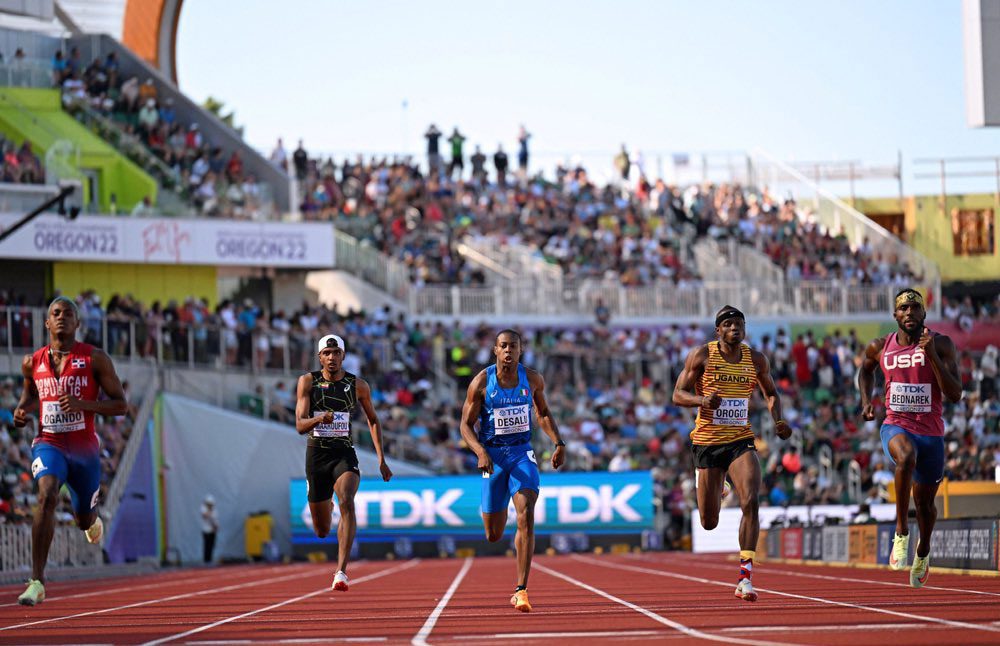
(420, 639)
(317, 640)
(691, 632)
(185, 579)
(843, 604)
(369, 577)
(227, 588)
(827, 577)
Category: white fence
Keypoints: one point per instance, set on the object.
(69, 548)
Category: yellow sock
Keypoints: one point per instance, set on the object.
(747, 555)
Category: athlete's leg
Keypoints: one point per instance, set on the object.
(710, 482)
(346, 487)
(322, 517)
(495, 497)
(494, 523)
(902, 452)
(923, 500)
(83, 478)
(927, 474)
(44, 524)
(745, 474)
(524, 540)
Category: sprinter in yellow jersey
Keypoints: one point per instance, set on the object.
(718, 379)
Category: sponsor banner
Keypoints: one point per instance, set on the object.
(812, 543)
(170, 241)
(835, 544)
(964, 544)
(426, 508)
(863, 543)
(774, 543)
(791, 543)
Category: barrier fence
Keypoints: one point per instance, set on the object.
(69, 549)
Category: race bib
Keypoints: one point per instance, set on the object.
(909, 398)
(512, 419)
(733, 411)
(339, 427)
(56, 420)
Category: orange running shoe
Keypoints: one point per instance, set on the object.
(520, 601)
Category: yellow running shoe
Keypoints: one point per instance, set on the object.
(900, 547)
(520, 601)
(920, 570)
(33, 595)
(95, 531)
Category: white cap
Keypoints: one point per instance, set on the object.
(210, 499)
(331, 341)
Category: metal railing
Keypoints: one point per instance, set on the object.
(69, 548)
(26, 74)
(366, 262)
(838, 218)
(21, 198)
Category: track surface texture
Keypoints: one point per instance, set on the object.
(644, 598)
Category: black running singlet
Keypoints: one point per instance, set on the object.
(338, 397)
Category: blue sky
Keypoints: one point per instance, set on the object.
(803, 80)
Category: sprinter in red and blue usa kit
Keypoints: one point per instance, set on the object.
(63, 382)
(505, 399)
(919, 367)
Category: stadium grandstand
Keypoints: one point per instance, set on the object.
(208, 270)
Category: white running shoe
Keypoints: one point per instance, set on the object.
(33, 595)
(95, 532)
(900, 547)
(340, 582)
(920, 570)
(745, 591)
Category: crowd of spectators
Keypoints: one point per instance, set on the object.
(20, 164)
(216, 184)
(634, 232)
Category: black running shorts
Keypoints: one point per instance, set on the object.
(720, 456)
(325, 462)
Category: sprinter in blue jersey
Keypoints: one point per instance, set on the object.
(502, 399)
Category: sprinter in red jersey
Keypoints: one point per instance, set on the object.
(63, 382)
(919, 368)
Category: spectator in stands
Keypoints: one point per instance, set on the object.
(278, 156)
(478, 161)
(433, 136)
(457, 140)
(522, 151)
(500, 163)
(300, 159)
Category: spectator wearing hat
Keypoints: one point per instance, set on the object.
(209, 527)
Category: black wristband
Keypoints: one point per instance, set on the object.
(560, 443)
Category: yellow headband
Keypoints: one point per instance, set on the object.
(909, 297)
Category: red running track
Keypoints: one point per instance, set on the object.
(652, 598)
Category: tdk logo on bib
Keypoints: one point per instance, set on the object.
(511, 419)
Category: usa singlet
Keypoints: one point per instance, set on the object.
(734, 383)
(71, 431)
(506, 415)
(912, 393)
(338, 397)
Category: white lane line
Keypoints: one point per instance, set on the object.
(174, 597)
(829, 577)
(843, 604)
(691, 632)
(186, 579)
(420, 639)
(214, 624)
(317, 640)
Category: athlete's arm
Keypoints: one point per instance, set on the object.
(545, 418)
(694, 368)
(766, 383)
(866, 376)
(303, 423)
(470, 413)
(29, 394)
(374, 426)
(107, 378)
(940, 351)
